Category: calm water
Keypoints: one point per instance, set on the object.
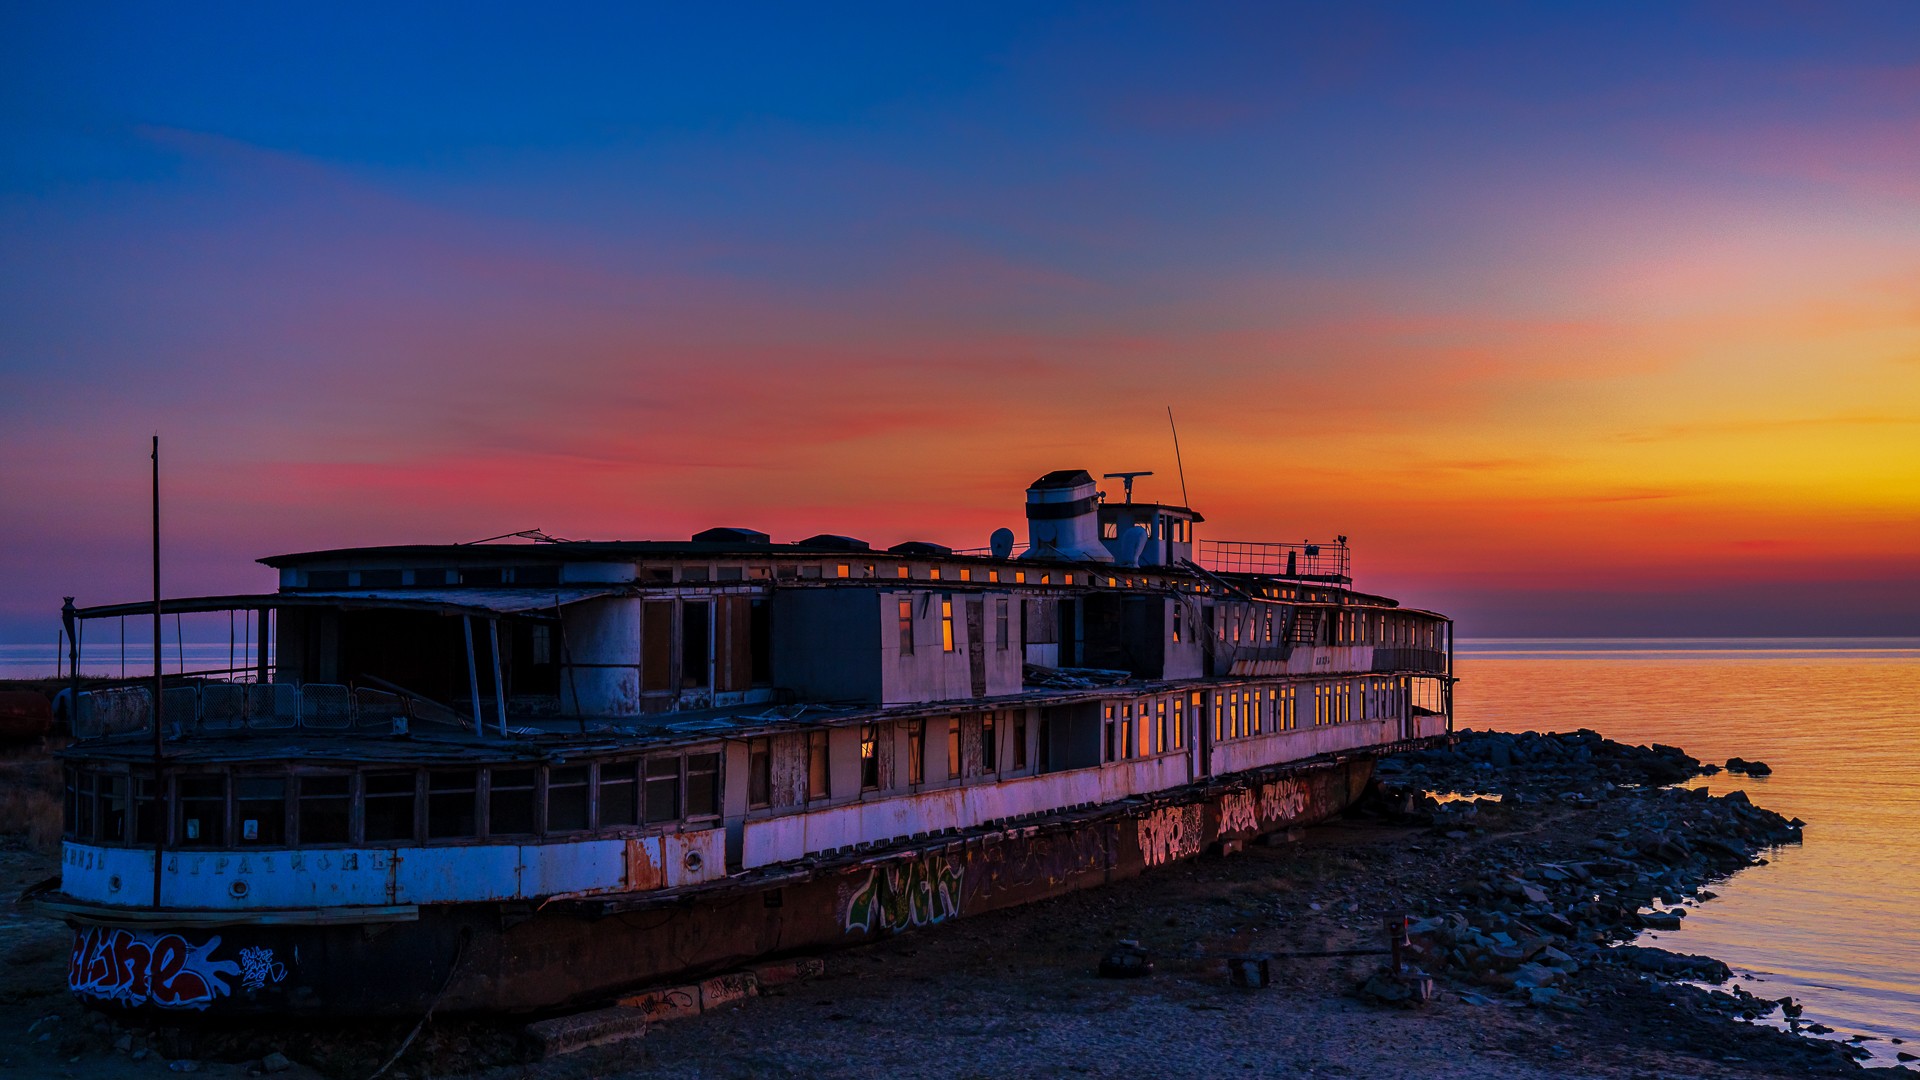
(1834, 922)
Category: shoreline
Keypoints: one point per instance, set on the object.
(1488, 884)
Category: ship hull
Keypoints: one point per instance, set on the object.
(493, 957)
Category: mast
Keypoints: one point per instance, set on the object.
(159, 808)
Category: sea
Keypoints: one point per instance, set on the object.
(1833, 922)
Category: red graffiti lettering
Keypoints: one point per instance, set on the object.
(139, 968)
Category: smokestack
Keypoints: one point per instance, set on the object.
(1063, 518)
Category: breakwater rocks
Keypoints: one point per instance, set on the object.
(1545, 924)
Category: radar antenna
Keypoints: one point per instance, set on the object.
(1125, 478)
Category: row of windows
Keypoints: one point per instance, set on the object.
(1238, 714)
(1263, 626)
(393, 805)
(1001, 617)
(1138, 729)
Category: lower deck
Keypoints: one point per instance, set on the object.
(514, 956)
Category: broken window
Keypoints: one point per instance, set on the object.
(389, 806)
(452, 803)
(509, 803)
(203, 810)
(325, 806)
(759, 773)
(917, 753)
(1020, 740)
(906, 628)
(618, 803)
(566, 798)
(260, 807)
(663, 788)
(696, 620)
(869, 758)
(703, 785)
(953, 748)
(989, 746)
(819, 775)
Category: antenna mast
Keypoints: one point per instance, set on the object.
(1176, 459)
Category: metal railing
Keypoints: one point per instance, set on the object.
(237, 706)
(1309, 562)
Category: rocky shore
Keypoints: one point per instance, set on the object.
(1543, 924)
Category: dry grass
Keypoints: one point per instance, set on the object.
(30, 800)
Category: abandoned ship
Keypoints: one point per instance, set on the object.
(514, 776)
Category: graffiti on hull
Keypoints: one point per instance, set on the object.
(1175, 832)
(912, 892)
(1237, 814)
(1283, 800)
(134, 968)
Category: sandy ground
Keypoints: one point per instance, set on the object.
(1014, 994)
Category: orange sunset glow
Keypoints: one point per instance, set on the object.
(1599, 345)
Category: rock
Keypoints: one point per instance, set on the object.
(727, 989)
(183, 1065)
(275, 1062)
(1126, 963)
(1759, 768)
(566, 1034)
(1531, 975)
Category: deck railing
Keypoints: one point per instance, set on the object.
(237, 706)
(1311, 562)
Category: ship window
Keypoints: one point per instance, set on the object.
(1106, 742)
(149, 819)
(657, 573)
(536, 575)
(917, 753)
(693, 573)
(809, 570)
(786, 573)
(900, 571)
(819, 778)
(453, 803)
(966, 573)
(946, 625)
(759, 573)
(989, 746)
(260, 807)
(379, 579)
(1020, 577)
(663, 788)
(1110, 530)
(870, 758)
(203, 811)
(1160, 728)
(1144, 733)
(481, 575)
(843, 570)
(325, 804)
(906, 627)
(1065, 579)
(953, 748)
(389, 806)
(759, 773)
(79, 816)
(618, 779)
(326, 579)
(1000, 621)
(1123, 745)
(1176, 623)
(1020, 741)
(1179, 723)
(993, 575)
(728, 573)
(112, 815)
(933, 574)
(695, 618)
(509, 803)
(703, 785)
(567, 798)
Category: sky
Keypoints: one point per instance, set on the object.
(1597, 320)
